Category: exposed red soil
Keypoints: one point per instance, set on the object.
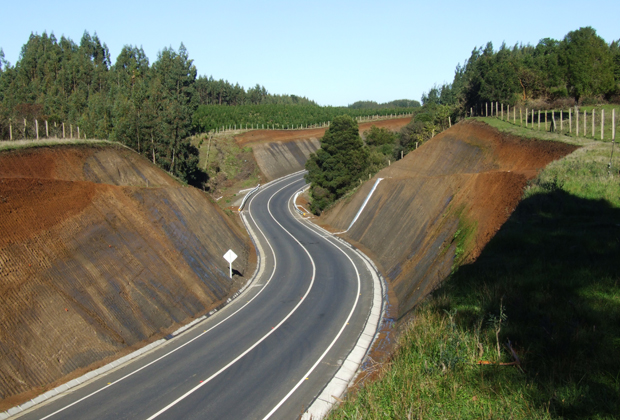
(93, 264)
(471, 174)
(268, 136)
(282, 152)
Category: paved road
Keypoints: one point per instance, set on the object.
(266, 355)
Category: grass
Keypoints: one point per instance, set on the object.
(24, 144)
(607, 131)
(230, 168)
(546, 286)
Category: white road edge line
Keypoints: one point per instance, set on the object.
(274, 329)
(190, 341)
(357, 295)
(341, 380)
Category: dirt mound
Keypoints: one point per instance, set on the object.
(448, 197)
(92, 265)
(282, 152)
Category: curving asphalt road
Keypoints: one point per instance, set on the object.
(268, 354)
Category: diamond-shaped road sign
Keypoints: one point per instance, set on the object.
(230, 256)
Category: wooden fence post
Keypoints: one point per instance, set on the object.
(613, 125)
(527, 115)
(602, 123)
(534, 119)
(585, 123)
(47, 133)
(63, 130)
(593, 122)
(10, 130)
(561, 121)
(576, 122)
(546, 120)
(502, 111)
(539, 120)
(570, 120)
(520, 116)
(36, 128)
(24, 129)
(486, 109)
(78, 131)
(449, 121)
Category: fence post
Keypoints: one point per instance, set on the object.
(24, 129)
(502, 112)
(602, 123)
(527, 115)
(613, 125)
(561, 121)
(570, 120)
(576, 122)
(539, 120)
(47, 133)
(36, 128)
(78, 131)
(585, 123)
(10, 130)
(70, 131)
(471, 111)
(534, 119)
(449, 121)
(63, 130)
(521, 116)
(486, 109)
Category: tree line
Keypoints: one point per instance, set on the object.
(279, 116)
(582, 68)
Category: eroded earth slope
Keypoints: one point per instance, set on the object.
(100, 252)
(448, 197)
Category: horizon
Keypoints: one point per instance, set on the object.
(290, 48)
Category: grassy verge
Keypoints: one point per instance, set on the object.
(543, 298)
(517, 120)
(230, 168)
(25, 144)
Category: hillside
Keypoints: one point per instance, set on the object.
(100, 252)
(281, 152)
(447, 198)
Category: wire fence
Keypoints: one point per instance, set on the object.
(593, 122)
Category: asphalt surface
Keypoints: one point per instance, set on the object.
(267, 354)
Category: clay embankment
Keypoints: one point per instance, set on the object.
(282, 152)
(470, 174)
(93, 263)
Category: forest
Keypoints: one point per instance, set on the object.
(581, 69)
(150, 107)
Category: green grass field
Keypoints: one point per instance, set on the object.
(543, 298)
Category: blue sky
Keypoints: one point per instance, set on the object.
(334, 52)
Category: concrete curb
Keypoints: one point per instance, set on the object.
(350, 368)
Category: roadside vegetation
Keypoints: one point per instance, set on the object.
(531, 329)
(334, 175)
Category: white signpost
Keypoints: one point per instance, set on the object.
(230, 256)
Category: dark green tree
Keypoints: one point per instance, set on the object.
(338, 165)
(588, 62)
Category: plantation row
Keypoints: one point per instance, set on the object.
(215, 117)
